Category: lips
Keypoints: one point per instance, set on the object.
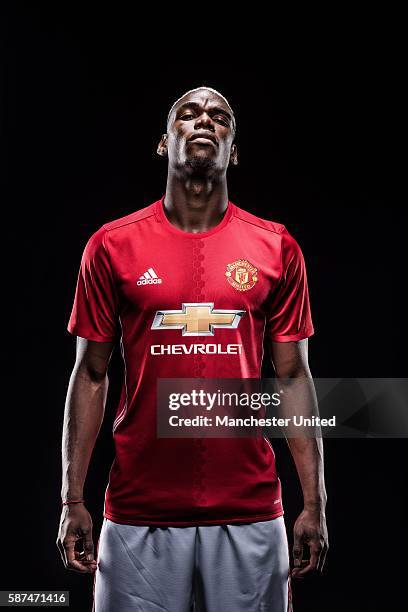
(203, 136)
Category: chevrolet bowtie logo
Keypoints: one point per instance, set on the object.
(197, 319)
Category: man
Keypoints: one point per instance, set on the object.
(189, 519)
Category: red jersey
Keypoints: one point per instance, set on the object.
(132, 271)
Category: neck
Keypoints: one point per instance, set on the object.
(195, 204)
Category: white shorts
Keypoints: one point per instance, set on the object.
(215, 568)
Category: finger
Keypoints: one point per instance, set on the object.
(88, 546)
(295, 571)
(297, 551)
(80, 556)
(72, 563)
(313, 561)
(322, 559)
(91, 565)
(61, 552)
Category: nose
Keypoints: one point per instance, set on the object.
(204, 120)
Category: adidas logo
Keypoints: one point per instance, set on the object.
(149, 278)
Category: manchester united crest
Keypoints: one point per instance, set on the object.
(241, 274)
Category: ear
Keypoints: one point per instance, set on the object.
(234, 155)
(162, 147)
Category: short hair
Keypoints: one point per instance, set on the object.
(234, 125)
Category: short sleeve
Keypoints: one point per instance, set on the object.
(289, 316)
(94, 312)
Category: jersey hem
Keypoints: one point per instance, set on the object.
(246, 519)
(293, 337)
(93, 337)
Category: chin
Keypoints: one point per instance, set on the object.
(200, 162)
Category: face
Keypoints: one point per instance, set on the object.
(200, 134)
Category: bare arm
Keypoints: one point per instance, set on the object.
(290, 360)
(84, 411)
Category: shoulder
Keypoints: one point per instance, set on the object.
(97, 241)
(290, 250)
(135, 217)
(258, 222)
(289, 243)
(289, 246)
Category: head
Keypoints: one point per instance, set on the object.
(200, 133)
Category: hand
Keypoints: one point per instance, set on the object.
(310, 529)
(76, 526)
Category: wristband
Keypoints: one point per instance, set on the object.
(73, 501)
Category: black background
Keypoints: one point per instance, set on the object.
(319, 134)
